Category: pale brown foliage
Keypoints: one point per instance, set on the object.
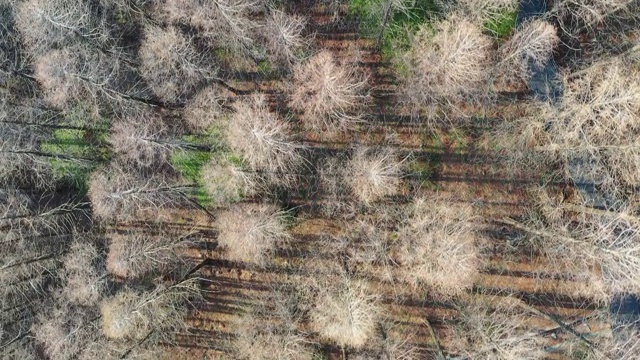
(170, 63)
(438, 246)
(345, 313)
(328, 94)
(284, 38)
(497, 331)
(206, 109)
(226, 182)
(132, 315)
(226, 22)
(374, 174)
(532, 44)
(251, 233)
(137, 255)
(448, 65)
(262, 138)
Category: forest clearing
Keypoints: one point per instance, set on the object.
(319, 179)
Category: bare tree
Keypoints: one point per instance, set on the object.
(532, 44)
(207, 108)
(117, 194)
(52, 24)
(345, 313)
(136, 255)
(251, 233)
(589, 12)
(172, 66)
(84, 272)
(496, 331)
(592, 133)
(262, 138)
(270, 330)
(599, 246)
(449, 64)
(226, 182)
(328, 94)
(146, 141)
(66, 332)
(134, 315)
(284, 39)
(438, 246)
(75, 74)
(481, 10)
(375, 174)
(226, 22)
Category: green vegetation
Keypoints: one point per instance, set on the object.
(394, 31)
(80, 151)
(501, 25)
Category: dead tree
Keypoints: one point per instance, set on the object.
(251, 233)
(598, 248)
(226, 22)
(329, 95)
(284, 38)
(345, 313)
(374, 174)
(117, 193)
(52, 24)
(438, 247)
(448, 65)
(496, 330)
(138, 255)
(531, 45)
(136, 315)
(171, 65)
(263, 139)
(591, 134)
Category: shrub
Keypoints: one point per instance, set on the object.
(345, 313)
(328, 94)
(251, 233)
(438, 246)
(374, 174)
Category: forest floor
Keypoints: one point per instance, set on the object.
(454, 164)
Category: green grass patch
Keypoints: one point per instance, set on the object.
(189, 164)
(85, 149)
(501, 25)
(394, 30)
